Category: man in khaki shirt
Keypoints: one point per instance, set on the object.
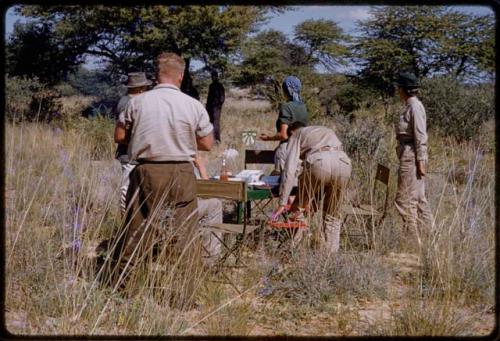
(326, 172)
(167, 127)
(411, 132)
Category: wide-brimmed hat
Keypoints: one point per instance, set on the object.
(137, 79)
(407, 80)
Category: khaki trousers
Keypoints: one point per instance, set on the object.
(210, 212)
(322, 187)
(411, 202)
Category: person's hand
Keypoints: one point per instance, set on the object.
(264, 137)
(421, 168)
(279, 211)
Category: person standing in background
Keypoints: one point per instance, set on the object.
(411, 132)
(137, 83)
(215, 100)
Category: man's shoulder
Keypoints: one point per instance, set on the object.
(415, 104)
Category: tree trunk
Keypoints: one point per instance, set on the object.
(187, 83)
(186, 80)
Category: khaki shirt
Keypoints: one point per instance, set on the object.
(164, 125)
(303, 145)
(412, 127)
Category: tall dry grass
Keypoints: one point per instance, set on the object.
(61, 202)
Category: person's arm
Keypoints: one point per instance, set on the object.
(291, 164)
(282, 135)
(205, 143)
(420, 137)
(285, 118)
(121, 135)
(123, 123)
(200, 164)
(287, 177)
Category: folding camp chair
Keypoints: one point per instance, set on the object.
(258, 198)
(229, 190)
(375, 212)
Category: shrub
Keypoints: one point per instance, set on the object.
(351, 97)
(29, 99)
(455, 109)
(360, 138)
(95, 82)
(317, 278)
(99, 134)
(66, 90)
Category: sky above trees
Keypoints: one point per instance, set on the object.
(348, 19)
(345, 16)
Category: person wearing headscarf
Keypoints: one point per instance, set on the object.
(293, 110)
(411, 132)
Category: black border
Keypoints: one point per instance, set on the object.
(4, 6)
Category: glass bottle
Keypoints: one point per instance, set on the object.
(224, 176)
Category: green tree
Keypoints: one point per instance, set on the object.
(323, 41)
(32, 51)
(427, 40)
(128, 38)
(266, 55)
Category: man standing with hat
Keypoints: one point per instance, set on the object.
(411, 132)
(137, 83)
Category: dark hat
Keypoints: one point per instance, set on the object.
(137, 79)
(407, 80)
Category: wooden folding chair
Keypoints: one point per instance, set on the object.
(229, 190)
(375, 212)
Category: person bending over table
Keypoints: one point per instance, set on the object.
(326, 172)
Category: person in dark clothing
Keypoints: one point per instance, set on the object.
(215, 100)
(188, 87)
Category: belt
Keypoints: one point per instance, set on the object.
(326, 149)
(142, 161)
